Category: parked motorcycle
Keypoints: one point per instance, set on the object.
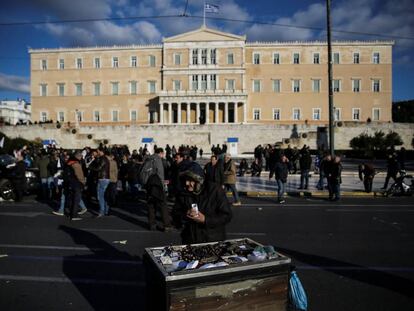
(403, 185)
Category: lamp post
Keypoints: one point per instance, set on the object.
(331, 108)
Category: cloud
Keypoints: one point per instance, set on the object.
(14, 83)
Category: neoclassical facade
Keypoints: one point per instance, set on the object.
(211, 77)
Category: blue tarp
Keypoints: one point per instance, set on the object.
(48, 142)
(232, 139)
(147, 140)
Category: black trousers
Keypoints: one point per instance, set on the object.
(75, 197)
(368, 183)
(154, 205)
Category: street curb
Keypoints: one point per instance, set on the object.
(309, 194)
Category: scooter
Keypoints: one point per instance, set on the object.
(403, 185)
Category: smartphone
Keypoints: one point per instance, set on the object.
(194, 208)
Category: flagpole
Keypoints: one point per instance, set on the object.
(204, 14)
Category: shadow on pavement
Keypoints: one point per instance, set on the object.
(360, 273)
(109, 279)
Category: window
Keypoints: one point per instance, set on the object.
(256, 114)
(356, 85)
(296, 86)
(97, 62)
(195, 57)
(256, 86)
(61, 116)
(296, 58)
(376, 85)
(336, 58)
(336, 85)
(276, 86)
(133, 87)
(194, 84)
(204, 56)
(337, 114)
(276, 114)
(230, 84)
(213, 56)
(376, 114)
(79, 63)
(96, 88)
(316, 85)
(133, 115)
(316, 58)
(78, 89)
(355, 114)
(79, 116)
(356, 58)
(376, 58)
(43, 89)
(115, 88)
(97, 116)
(213, 83)
(296, 114)
(151, 60)
(177, 85)
(230, 59)
(43, 116)
(61, 63)
(177, 59)
(256, 58)
(44, 64)
(61, 89)
(204, 82)
(115, 115)
(133, 61)
(276, 58)
(316, 114)
(151, 87)
(115, 62)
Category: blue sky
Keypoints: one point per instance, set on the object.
(386, 17)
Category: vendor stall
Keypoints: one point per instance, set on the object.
(234, 275)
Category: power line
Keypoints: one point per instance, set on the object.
(26, 23)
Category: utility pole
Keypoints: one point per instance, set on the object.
(331, 107)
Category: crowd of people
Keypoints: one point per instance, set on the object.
(73, 182)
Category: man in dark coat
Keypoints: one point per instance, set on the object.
(305, 162)
(393, 167)
(366, 174)
(203, 209)
(19, 178)
(334, 178)
(281, 174)
(213, 171)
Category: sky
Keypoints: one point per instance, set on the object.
(148, 21)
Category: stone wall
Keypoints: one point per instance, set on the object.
(249, 135)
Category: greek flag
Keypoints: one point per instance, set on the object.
(211, 8)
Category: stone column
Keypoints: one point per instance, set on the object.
(197, 113)
(244, 112)
(235, 113)
(179, 113)
(226, 112)
(161, 113)
(207, 112)
(169, 113)
(216, 112)
(188, 112)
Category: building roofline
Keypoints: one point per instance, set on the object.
(317, 42)
(96, 48)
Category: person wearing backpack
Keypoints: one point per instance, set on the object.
(152, 176)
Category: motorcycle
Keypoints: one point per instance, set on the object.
(403, 185)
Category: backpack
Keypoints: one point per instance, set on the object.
(148, 168)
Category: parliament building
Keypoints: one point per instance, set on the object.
(207, 76)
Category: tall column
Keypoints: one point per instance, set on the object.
(188, 112)
(169, 113)
(235, 113)
(216, 113)
(207, 112)
(244, 112)
(197, 113)
(161, 113)
(226, 112)
(179, 113)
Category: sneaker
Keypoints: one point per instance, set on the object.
(237, 203)
(76, 218)
(282, 201)
(100, 215)
(58, 213)
(82, 211)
